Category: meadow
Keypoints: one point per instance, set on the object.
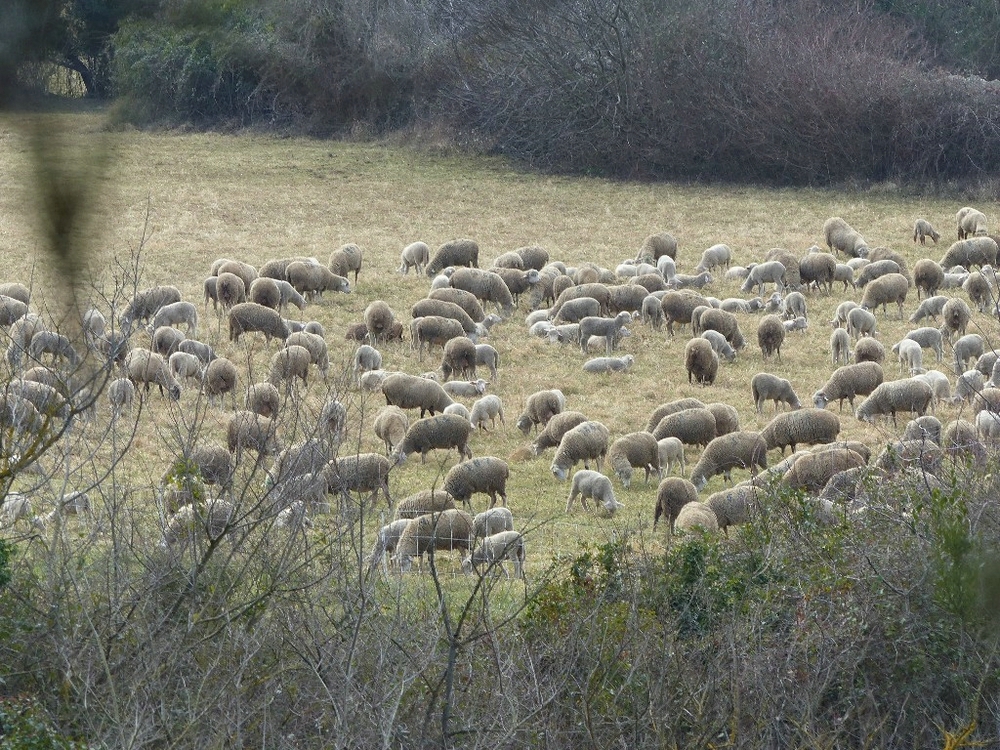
(202, 196)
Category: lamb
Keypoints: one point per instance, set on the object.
(636, 450)
(506, 545)
(900, 395)
(609, 364)
(359, 472)
(386, 540)
(288, 364)
(737, 449)
(346, 259)
(840, 346)
(841, 237)
(463, 252)
(770, 336)
(145, 304)
(806, 426)
(213, 519)
(492, 521)
(821, 269)
(910, 356)
(121, 393)
(366, 358)
(767, 387)
(426, 501)
(939, 383)
(486, 408)
(840, 317)
(448, 530)
(671, 452)
(968, 385)
(249, 316)
(740, 305)
(974, 251)
(465, 389)
(607, 327)
(459, 358)
(412, 392)
(20, 334)
(955, 316)
(960, 437)
(219, 379)
(438, 431)
(861, 322)
(720, 345)
(487, 356)
(263, 399)
(315, 345)
(688, 281)
(586, 441)
(813, 471)
(416, 255)
(771, 271)
(144, 367)
(183, 365)
(922, 229)
(849, 381)
(928, 338)
(539, 408)
(970, 222)
(249, 430)
(968, 347)
(694, 426)
(311, 280)
(594, 485)
(486, 474)
(931, 307)
(557, 426)
(701, 361)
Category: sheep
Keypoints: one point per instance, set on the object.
(696, 515)
(145, 304)
(968, 347)
(467, 301)
(416, 255)
(928, 277)
(688, 281)
(346, 259)
(165, 341)
(720, 345)
(316, 346)
(869, 349)
(55, 344)
(939, 383)
(979, 290)
(554, 430)
(213, 519)
(726, 452)
(462, 252)
(656, 246)
(121, 393)
(219, 379)
(739, 305)
(634, 450)
(575, 310)
(588, 440)
(412, 392)
(922, 229)
(910, 356)
(437, 431)
(970, 222)
(249, 316)
(927, 427)
(539, 408)
(847, 382)
(201, 350)
(628, 297)
(891, 287)
(727, 419)
(290, 363)
(724, 322)
(311, 280)
(609, 364)
(954, 279)
(840, 346)
(426, 501)
(459, 358)
(960, 437)
(694, 426)
(144, 367)
(465, 389)
(379, 320)
(183, 365)
(174, 314)
(449, 530)
(607, 327)
(17, 291)
(359, 472)
(671, 407)
(488, 356)
(770, 336)
(713, 257)
(931, 307)
(486, 474)
(365, 358)
(821, 269)
(861, 322)
(875, 270)
(494, 549)
(249, 430)
(955, 316)
(487, 286)
(841, 237)
(767, 387)
(533, 256)
(20, 334)
(433, 330)
(813, 471)
(587, 485)
(677, 307)
(486, 408)
(900, 395)
(968, 385)
(262, 398)
(974, 251)
(928, 338)
(701, 361)
(807, 426)
(518, 281)
(670, 452)
(771, 271)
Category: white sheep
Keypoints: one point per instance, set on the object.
(589, 484)
(671, 453)
(507, 545)
(486, 408)
(910, 356)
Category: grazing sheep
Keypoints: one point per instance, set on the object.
(813, 471)
(609, 364)
(840, 317)
(492, 521)
(720, 345)
(875, 270)
(22, 331)
(447, 531)
(971, 222)
(959, 438)
(795, 305)
(366, 358)
(487, 356)
(767, 387)
(678, 306)
(807, 426)
(656, 246)
(505, 545)
(726, 452)
(913, 395)
(144, 367)
(701, 361)
(359, 472)
(165, 341)
(245, 271)
(885, 289)
(768, 272)
(249, 316)
(202, 351)
(955, 316)
(968, 385)
(443, 431)
(434, 330)
(288, 364)
(968, 347)
(869, 349)
(671, 407)
(588, 484)
(575, 310)
(390, 425)
(849, 381)
(386, 541)
(713, 257)
(176, 313)
(696, 515)
(586, 441)
(518, 281)
(230, 290)
(861, 322)
(694, 426)
(487, 286)
(459, 358)
(486, 474)
(413, 392)
(311, 280)
(461, 252)
(725, 323)
(315, 345)
(840, 346)
(467, 301)
(928, 277)
(213, 519)
(821, 269)
(144, 305)
(263, 398)
(974, 251)
(379, 321)
(425, 501)
(183, 365)
(910, 356)
(55, 344)
(928, 338)
(346, 259)
(249, 430)
(727, 419)
(533, 256)
(487, 408)
(416, 255)
(539, 408)
(629, 297)
(687, 281)
(554, 430)
(636, 450)
(979, 290)
(939, 383)
(927, 427)
(922, 229)
(671, 453)
(606, 327)
(219, 379)
(770, 336)
(121, 393)
(841, 237)
(931, 307)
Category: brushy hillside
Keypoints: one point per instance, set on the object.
(615, 630)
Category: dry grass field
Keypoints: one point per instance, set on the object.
(253, 198)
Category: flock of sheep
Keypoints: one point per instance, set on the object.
(588, 309)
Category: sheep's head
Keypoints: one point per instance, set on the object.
(558, 472)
